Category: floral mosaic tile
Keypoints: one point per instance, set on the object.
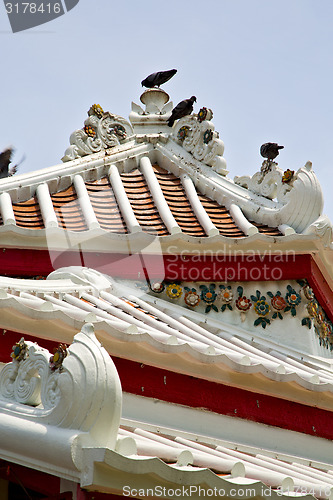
(268, 306)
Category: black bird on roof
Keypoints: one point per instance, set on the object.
(157, 79)
(5, 158)
(183, 108)
(270, 150)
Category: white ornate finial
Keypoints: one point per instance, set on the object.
(152, 119)
(154, 100)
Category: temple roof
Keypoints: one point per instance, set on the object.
(141, 190)
(123, 180)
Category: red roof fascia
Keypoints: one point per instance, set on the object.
(30, 262)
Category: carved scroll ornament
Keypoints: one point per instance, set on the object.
(102, 130)
(196, 133)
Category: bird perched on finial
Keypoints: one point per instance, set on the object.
(183, 108)
(157, 79)
(5, 157)
(270, 150)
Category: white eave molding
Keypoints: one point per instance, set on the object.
(190, 341)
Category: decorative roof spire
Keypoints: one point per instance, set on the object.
(157, 111)
(155, 122)
(154, 100)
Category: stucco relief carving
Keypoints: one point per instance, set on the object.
(198, 137)
(102, 130)
(85, 394)
(269, 184)
(29, 380)
(298, 196)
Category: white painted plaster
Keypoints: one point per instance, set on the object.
(173, 420)
(46, 206)
(122, 200)
(6, 209)
(158, 197)
(85, 203)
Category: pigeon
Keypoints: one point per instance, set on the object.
(183, 108)
(5, 157)
(157, 79)
(270, 150)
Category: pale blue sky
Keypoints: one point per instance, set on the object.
(264, 66)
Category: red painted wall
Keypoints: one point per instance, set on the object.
(31, 479)
(45, 484)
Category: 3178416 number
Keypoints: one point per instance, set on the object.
(33, 8)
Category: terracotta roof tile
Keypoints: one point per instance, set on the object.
(69, 214)
(105, 206)
(221, 218)
(142, 203)
(270, 231)
(180, 207)
(68, 210)
(28, 214)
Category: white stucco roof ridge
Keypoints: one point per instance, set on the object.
(183, 150)
(129, 331)
(266, 483)
(51, 420)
